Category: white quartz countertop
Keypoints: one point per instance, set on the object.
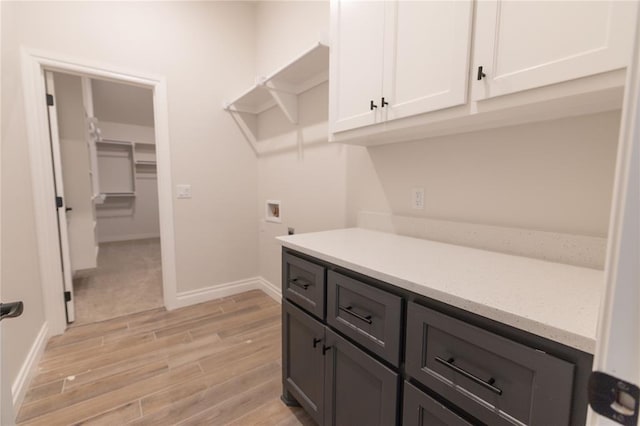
(553, 300)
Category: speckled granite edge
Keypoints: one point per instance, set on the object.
(577, 250)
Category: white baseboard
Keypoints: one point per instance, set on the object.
(129, 237)
(273, 291)
(205, 294)
(28, 368)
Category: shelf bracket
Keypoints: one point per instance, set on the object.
(247, 124)
(288, 102)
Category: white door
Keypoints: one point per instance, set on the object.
(522, 45)
(61, 209)
(616, 378)
(426, 56)
(357, 40)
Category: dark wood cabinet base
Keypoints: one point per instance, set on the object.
(363, 358)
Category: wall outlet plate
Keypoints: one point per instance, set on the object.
(183, 191)
(417, 198)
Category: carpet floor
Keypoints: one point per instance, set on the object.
(128, 279)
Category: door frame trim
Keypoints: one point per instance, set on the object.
(34, 63)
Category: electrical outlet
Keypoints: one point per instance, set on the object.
(183, 191)
(417, 198)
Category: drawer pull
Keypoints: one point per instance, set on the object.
(303, 284)
(488, 384)
(349, 310)
(316, 341)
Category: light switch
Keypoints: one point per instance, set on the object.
(184, 191)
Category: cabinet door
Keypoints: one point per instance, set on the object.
(526, 44)
(357, 40)
(302, 360)
(426, 56)
(422, 410)
(358, 389)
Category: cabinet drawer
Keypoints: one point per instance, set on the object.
(422, 410)
(370, 316)
(303, 283)
(494, 379)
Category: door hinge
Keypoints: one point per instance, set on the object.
(49, 100)
(59, 202)
(67, 296)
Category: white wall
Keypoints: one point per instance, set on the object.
(284, 29)
(216, 230)
(20, 265)
(552, 176)
(74, 153)
(310, 182)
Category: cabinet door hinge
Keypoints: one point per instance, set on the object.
(49, 100)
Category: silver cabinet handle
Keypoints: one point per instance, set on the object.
(487, 385)
(303, 284)
(349, 310)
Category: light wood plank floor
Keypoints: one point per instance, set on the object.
(215, 363)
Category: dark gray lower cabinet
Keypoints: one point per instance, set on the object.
(345, 360)
(496, 380)
(335, 382)
(358, 389)
(422, 410)
(302, 359)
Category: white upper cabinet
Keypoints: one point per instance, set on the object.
(426, 56)
(400, 69)
(356, 58)
(393, 59)
(523, 45)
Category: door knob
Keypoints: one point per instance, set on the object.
(11, 310)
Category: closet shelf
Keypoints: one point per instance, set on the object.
(281, 88)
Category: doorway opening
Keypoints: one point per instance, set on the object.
(34, 65)
(106, 187)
